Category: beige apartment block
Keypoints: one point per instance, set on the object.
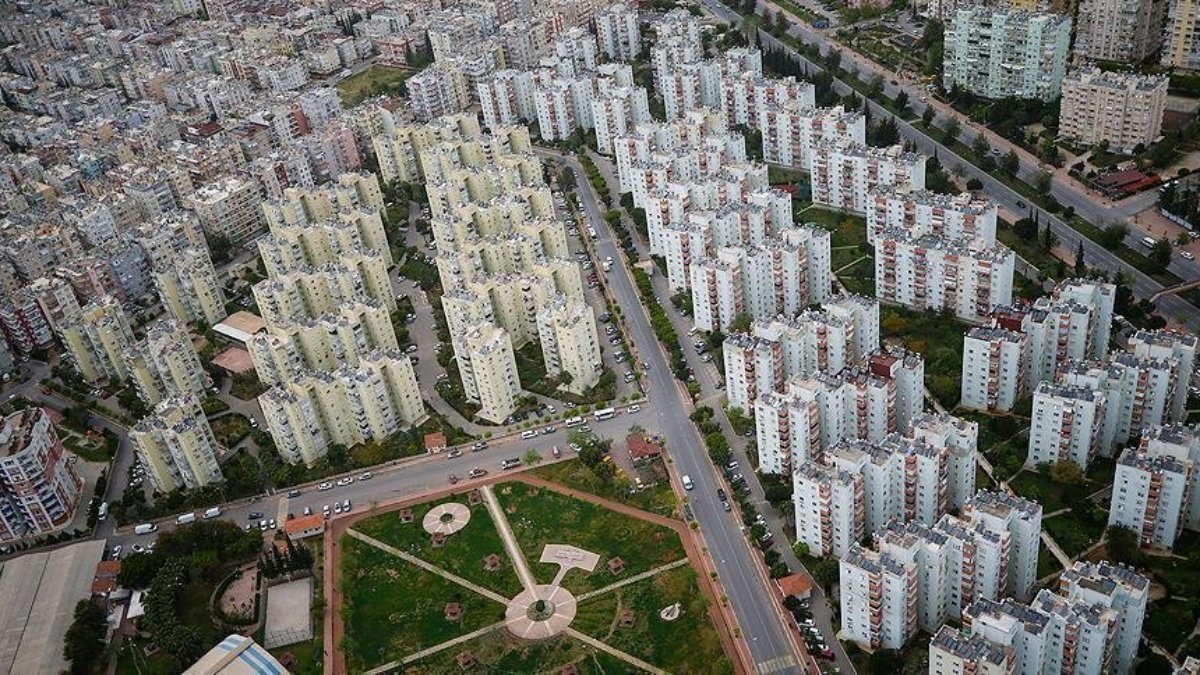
(1124, 110)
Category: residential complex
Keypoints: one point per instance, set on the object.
(1118, 31)
(844, 176)
(1154, 492)
(189, 289)
(995, 52)
(1181, 36)
(177, 445)
(1121, 111)
(39, 488)
(932, 273)
(165, 364)
(96, 339)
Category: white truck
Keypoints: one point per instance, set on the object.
(145, 528)
(186, 518)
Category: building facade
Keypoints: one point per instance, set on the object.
(1122, 111)
(177, 445)
(39, 488)
(999, 53)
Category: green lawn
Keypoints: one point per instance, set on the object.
(860, 277)
(393, 609)
(230, 429)
(1047, 564)
(497, 652)
(372, 82)
(462, 554)
(310, 659)
(937, 337)
(539, 517)
(689, 644)
(132, 660)
(575, 474)
(1073, 532)
(1169, 621)
(247, 386)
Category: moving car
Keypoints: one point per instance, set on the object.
(477, 473)
(454, 453)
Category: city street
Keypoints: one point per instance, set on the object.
(751, 594)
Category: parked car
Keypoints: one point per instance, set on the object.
(454, 453)
(325, 486)
(477, 473)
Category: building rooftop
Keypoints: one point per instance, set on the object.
(968, 647)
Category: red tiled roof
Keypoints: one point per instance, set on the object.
(640, 448)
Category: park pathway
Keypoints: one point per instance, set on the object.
(634, 579)
(427, 566)
(416, 656)
(510, 541)
(627, 658)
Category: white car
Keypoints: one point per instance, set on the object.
(138, 548)
(325, 486)
(1187, 255)
(345, 481)
(633, 408)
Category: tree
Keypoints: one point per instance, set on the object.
(952, 128)
(1042, 180)
(741, 323)
(1122, 545)
(1049, 239)
(800, 549)
(84, 641)
(901, 100)
(980, 146)
(780, 22)
(220, 248)
(1066, 472)
(1080, 265)
(1113, 235)
(826, 572)
(1160, 253)
(885, 662)
(974, 184)
(532, 457)
(1010, 163)
(138, 569)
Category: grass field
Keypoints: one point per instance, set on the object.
(393, 609)
(575, 474)
(688, 644)
(1169, 621)
(539, 517)
(1073, 532)
(230, 429)
(462, 553)
(499, 653)
(373, 81)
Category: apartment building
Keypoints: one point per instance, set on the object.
(790, 133)
(1153, 489)
(999, 52)
(921, 212)
(782, 276)
(95, 341)
(878, 599)
(348, 406)
(842, 332)
(994, 367)
(1119, 31)
(489, 373)
(189, 288)
(827, 505)
(165, 364)
(616, 113)
(57, 300)
(617, 32)
(1121, 111)
(507, 97)
(1178, 350)
(1120, 589)
(960, 439)
(936, 273)
(1022, 519)
(1180, 48)
(570, 348)
(440, 89)
(39, 488)
(952, 652)
(25, 326)
(844, 175)
(177, 445)
(1067, 423)
(288, 349)
(228, 208)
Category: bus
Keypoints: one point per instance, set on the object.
(605, 413)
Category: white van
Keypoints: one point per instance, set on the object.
(186, 518)
(531, 433)
(574, 422)
(145, 528)
(1148, 242)
(102, 514)
(214, 512)
(687, 482)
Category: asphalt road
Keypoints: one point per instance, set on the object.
(403, 479)
(1097, 256)
(740, 569)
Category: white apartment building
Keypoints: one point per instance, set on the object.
(960, 438)
(994, 367)
(177, 445)
(229, 208)
(1120, 589)
(782, 276)
(952, 652)
(842, 332)
(844, 175)
(1155, 488)
(1178, 349)
(1124, 111)
(934, 273)
(189, 289)
(95, 341)
(878, 594)
(507, 97)
(617, 32)
(1022, 519)
(920, 212)
(998, 52)
(616, 113)
(440, 89)
(1067, 423)
(554, 104)
(570, 348)
(1119, 31)
(39, 488)
(165, 364)
(791, 133)
(344, 407)
(828, 508)
(746, 96)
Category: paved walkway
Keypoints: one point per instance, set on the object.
(627, 658)
(510, 541)
(416, 656)
(634, 579)
(491, 595)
